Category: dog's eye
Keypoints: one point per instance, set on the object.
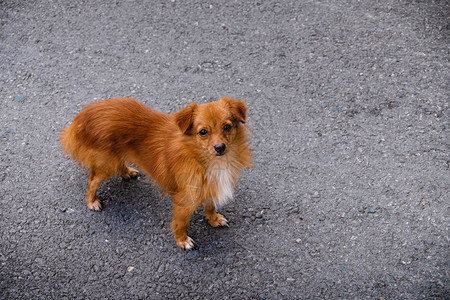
(227, 127)
(203, 132)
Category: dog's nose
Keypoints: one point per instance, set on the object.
(220, 148)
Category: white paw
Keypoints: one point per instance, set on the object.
(188, 244)
(95, 205)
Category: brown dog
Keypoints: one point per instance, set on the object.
(195, 154)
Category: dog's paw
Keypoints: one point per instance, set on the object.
(130, 173)
(187, 244)
(217, 220)
(95, 205)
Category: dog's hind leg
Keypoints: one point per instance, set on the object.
(95, 178)
(127, 172)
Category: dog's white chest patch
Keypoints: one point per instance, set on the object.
(223, 179)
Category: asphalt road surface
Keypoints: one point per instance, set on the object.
(348, 105)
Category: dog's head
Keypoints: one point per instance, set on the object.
(213, 126)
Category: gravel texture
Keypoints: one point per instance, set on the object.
(349, 113)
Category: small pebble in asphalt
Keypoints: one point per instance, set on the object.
(228, 260)
(192, 254)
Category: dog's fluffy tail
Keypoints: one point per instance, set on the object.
(71, 145)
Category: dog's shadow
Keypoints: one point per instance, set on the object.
(132, 207)
(135, 209)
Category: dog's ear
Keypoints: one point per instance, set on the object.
(185, 117)
(237, 108)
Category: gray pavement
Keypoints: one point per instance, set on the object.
(349, 113)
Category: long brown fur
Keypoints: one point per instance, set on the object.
(193, 167)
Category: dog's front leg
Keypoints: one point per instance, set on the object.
(182, 213)
(214, 219)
